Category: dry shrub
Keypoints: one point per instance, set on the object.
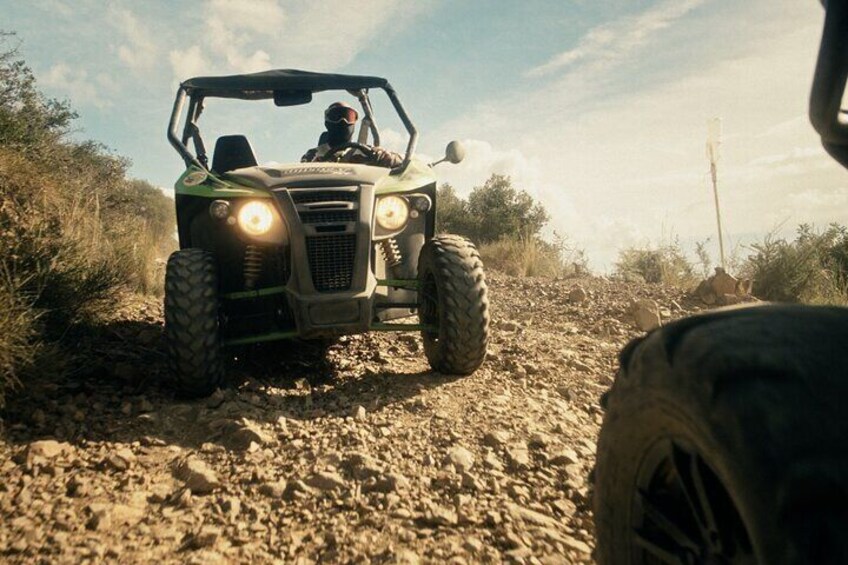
(532, 257)
(17, 330)
(812, 268)
(74, 232)
(663, 264)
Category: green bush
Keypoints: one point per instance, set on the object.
(74, 232)
(812, 268)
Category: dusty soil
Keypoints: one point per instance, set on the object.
(352, 453)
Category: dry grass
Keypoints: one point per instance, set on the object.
(664, 264)
(531, 257)
(69, 249)
(811, 269)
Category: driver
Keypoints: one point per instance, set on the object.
(335, 144)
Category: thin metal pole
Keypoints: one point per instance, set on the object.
(714, 173)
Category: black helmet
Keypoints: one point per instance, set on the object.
(339, 119)
(340, 112)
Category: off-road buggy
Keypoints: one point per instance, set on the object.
(310, 250)
(725, 438)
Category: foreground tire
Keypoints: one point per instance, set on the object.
(191, 322)
(725, 441)
(453, 297)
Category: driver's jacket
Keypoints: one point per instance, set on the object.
(380, 157)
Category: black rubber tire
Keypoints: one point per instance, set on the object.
(451, 265)
(759, 395)
(192, 324)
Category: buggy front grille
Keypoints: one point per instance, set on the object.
(309, 196)
(331, 217)
(331, 259)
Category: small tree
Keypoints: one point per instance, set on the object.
(500, 210)
(494, 211)
(27, 117)
(452, 212)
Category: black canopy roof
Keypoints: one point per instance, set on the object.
(263, 84)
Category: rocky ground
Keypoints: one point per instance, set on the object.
(355, 454)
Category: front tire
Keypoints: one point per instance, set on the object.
(725, 441)
(453, 299)
(191, 322)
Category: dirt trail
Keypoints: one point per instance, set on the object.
(355, 454)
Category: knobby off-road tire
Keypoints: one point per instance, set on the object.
(728, 430)
(191, 322)
(453, 296)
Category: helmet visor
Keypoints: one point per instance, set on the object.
(336, 114)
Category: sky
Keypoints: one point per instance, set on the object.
(598, 108)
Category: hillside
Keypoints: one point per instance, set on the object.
(357, 454)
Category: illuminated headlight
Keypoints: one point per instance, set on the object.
(255, 217)
(392, 212)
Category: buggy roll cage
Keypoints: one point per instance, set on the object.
(826, 112)
(276, 84)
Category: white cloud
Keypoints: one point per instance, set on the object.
(55, 7)
(140, 52)
(616, 169)
(247, 37)
(76, 85)
(393, 140)
(188, 63)
(234, 28)
(613, 41)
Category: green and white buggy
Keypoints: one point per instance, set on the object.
(310, 250)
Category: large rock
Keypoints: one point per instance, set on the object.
(104, 516)
(197, 476)
(460, 458)
(496, 439)
(646, 314)
(241, 434)
(722, 283)
(362, 466)
(518, 457)
(564, 456)
(326, 481)
(439, 516)
(47, 449)
(273, 489)
(391, 482)
(531, 516)
(724, 289)
(578, 295)
(121, 459)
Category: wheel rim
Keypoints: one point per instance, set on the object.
(682, 513)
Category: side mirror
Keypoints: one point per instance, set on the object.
(454, 153)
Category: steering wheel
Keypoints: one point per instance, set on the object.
(369, 151)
